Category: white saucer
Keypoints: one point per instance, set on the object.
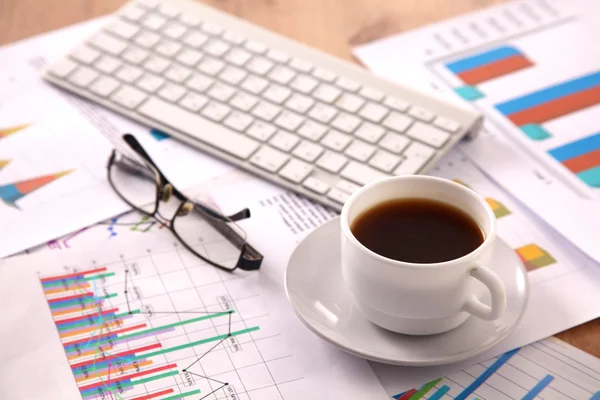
(314, 286)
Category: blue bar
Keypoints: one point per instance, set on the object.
(595, 396)
(578, 148)
(158, 135)
(486, 374)
(537, 389)
(441, 391)
(549, 94)
(482, 59)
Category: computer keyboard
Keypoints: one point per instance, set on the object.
(294, 115)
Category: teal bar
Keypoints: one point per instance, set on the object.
(535, 132)
(469, 93)
(182, 395)
(591, 176)
(440, 393)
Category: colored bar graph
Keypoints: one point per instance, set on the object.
(406, 395)
(13, 192)
(158, 135)
(182, 395)
(534, 257)
(534, 109)
(485, 375)
(79, 274)
(440, 393)
(121, 385)
(537, 389)
(499, 209)
(581, 157)
(154, 395)
(423, 390)
(5, 132)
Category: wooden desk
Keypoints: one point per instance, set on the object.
(331, 25)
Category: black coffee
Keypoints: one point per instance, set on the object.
(417, 230)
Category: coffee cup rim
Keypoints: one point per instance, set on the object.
(487, 242)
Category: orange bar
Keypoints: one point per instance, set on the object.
(495, 69)
(97, 374)
(110, 324)
(67, 289)
(90, 352)
(64, 312)
(583, 162)
(557, 108)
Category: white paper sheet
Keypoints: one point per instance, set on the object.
(496, 57)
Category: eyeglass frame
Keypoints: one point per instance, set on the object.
(165, 190)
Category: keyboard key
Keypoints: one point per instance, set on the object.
(174, 30)
(156, 64)
(338, 196)
(369, 132)
(238, 57)
(255, 47)
(269, 159)
(83, 76)
(189, 57)
(260, 65)
(243, 101)
(308, 151)
(135, 55)
(128, 97)
(361, 174)
(167, 48)
(104, 86)
(421, 113)
(304, 84)
(132, 12)
(327, 93)
(300, 65)
(216, 47)
(447, 124)
(212, 28)
(335, 140)
(394, 142)
(349, 102)
(129, 73)
(346, 122)
(107, 64)
(281, 74)
(284, 141)
(85, 55)
(276, 93)
(192, 124)
(147, 39)
(211, 66)
(190, 20)
(148, 3)
(278, 56)
(261, 130)
(347, 84)
(396, 104)
(289, 120)
(296, 171)
(415, 157)
(299, 103)
(171, 92)
(221, 91)
(428, 134)
(178, 74)
(108, 44)
(322, 112)
(233, 38)
(312, 130)
(150, 83)
(254, 84)
(193, 102)
(62, 67)
(332, 162)
(324, 74)
(347, 186)
(154, 21)
(397, 122)
(123, 29)
(199, 82)
(168, 10)
(373, 112)
(384, 161)
(238, 121)
(266, 111)
(371, 94)
(215, 111)
(195, 39)
(316, 185)
(360, 151)
(233, 75)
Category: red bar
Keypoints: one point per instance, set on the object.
(86, 316)
(66, 276)
(557, 108)
(121, 354)
(495, 69)
(408, 395)
(91, 339)
(124, 377)
(583, 162)
(75, 296)
(154, 395)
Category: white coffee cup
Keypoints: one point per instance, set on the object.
(421, 299)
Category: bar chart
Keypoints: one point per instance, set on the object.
(582, 158)
(12, 192)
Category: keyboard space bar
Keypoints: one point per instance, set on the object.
(198, 128)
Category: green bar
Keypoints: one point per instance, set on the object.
(100, 276)
(132, 383)
(199, 342)
(99, 320)
(189, 321)
(71, 280)
(424, 389)
(182, 395)
(81, 300)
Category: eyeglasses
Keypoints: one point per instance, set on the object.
(208, 234)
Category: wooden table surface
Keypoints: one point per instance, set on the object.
(331, 25)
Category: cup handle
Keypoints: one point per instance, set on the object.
(498, 293)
